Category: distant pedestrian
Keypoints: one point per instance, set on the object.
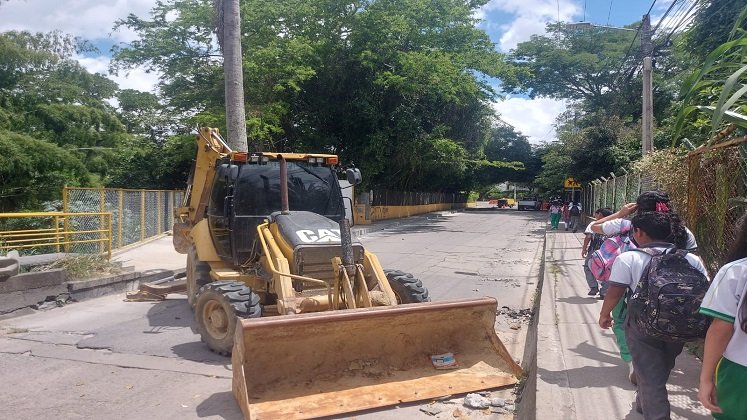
(723, 375)
(575, 216)
(565, 211)
(555, 210)
(653, 356)
(592, 242)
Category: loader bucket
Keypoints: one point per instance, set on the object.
(319, 364)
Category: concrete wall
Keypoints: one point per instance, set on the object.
(366, 214)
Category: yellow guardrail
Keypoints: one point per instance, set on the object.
(46, 232)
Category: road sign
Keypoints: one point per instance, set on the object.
(571, 183)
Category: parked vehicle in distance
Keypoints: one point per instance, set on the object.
(529, 203)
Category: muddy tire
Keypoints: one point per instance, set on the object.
(407, 288)
(217, 308)
(198, 275)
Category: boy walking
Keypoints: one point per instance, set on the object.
(575, 216)
(653, 355)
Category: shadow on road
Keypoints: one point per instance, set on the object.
(175, 313)
(220, 404)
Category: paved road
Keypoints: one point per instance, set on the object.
(106, 358)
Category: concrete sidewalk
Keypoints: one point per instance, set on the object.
(579, 371)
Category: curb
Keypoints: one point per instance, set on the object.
(527, 404)
(554, 398)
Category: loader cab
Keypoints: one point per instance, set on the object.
(245, 193)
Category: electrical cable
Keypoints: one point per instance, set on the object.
(663, 17)
(683, 21)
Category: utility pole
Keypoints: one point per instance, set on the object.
(234, 75)
(647, 128)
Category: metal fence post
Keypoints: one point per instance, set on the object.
(66, 209)
(120, 217)
(159, 213)
(142, 215)
(102, 219)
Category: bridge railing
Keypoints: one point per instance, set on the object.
(50, 232)
(137, 215)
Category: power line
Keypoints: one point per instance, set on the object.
(609, 13)
(627, 53)
(651, 8)
(682, 21)
(663, 17)
(585, 10)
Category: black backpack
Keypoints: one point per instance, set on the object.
(665, 304)
(575, 211)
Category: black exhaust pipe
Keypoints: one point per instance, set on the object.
(284, 207)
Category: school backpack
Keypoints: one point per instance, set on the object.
(575, 211)
(665, 303)
(600, 263)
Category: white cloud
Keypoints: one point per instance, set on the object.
(530, 17)
(136, 78)
(90, 19)
(535, 118)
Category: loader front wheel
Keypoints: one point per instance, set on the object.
(198, 275)
(217, 308)
(407, 288)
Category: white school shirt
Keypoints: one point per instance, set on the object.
(724, 300)
(629, 267)
(614, 226)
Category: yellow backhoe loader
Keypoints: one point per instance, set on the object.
(314, 324)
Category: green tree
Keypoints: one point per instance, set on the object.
(49, 96)
(34, 171)
(390, 85)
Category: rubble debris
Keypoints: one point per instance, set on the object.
(432, 409)
(497, 402)
(476, 401)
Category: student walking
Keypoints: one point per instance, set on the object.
(592, 241)
(723, 376)
(566, 215)
(555, 210)
(638, 273)
(574, 213)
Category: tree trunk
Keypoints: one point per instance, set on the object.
(232, 69)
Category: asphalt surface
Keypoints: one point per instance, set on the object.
(106, 358)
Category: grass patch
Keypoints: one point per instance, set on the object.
(83, 266)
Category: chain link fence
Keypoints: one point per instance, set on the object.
(612, 192)
(708, 188)
(136, 214)
(716, 199)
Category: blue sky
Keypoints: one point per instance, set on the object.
(508, 22)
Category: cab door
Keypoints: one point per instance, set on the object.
(221, 208)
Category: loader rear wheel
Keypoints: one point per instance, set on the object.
(407, 288)
(198, 275)
(217, 308)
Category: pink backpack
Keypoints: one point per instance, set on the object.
(602, 259)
